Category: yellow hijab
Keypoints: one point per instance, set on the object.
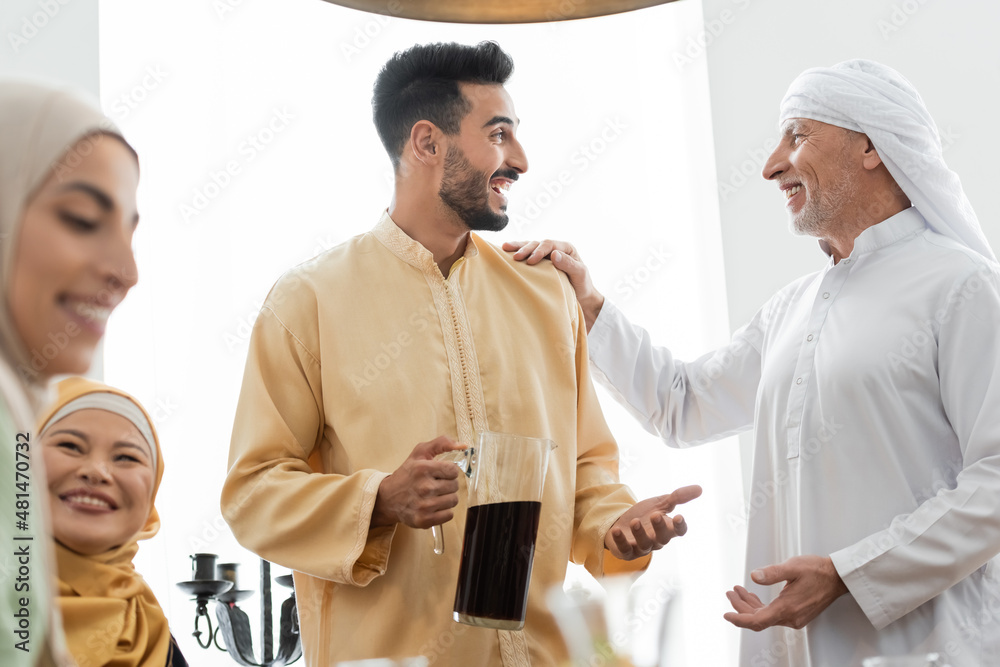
(110, 615)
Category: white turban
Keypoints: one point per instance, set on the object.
(877, 101)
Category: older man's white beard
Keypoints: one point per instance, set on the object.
(825, 208)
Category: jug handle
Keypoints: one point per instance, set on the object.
(465, 459)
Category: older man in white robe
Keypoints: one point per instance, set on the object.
(872, 385)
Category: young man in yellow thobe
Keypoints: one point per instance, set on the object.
(398, 345)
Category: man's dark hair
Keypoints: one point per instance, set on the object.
(421, 83)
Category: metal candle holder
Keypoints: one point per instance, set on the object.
(219, 583)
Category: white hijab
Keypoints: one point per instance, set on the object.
(39, 123)
(877, 101)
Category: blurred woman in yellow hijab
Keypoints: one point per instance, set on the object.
(104, 466)
(68, 185)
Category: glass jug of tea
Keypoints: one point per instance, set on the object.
(507, 474)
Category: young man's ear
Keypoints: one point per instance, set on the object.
(425, 142)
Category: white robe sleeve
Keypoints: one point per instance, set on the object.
(685, 404)
(955, 532)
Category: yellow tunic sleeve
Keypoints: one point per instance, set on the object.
(278, 504)
(600, 498)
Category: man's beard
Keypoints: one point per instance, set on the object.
(824, 208)
(462, 190)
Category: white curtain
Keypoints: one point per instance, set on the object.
(252, 120)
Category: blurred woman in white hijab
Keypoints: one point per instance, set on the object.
(67, 215)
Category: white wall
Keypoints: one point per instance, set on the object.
(56, 39)
(949, 51)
